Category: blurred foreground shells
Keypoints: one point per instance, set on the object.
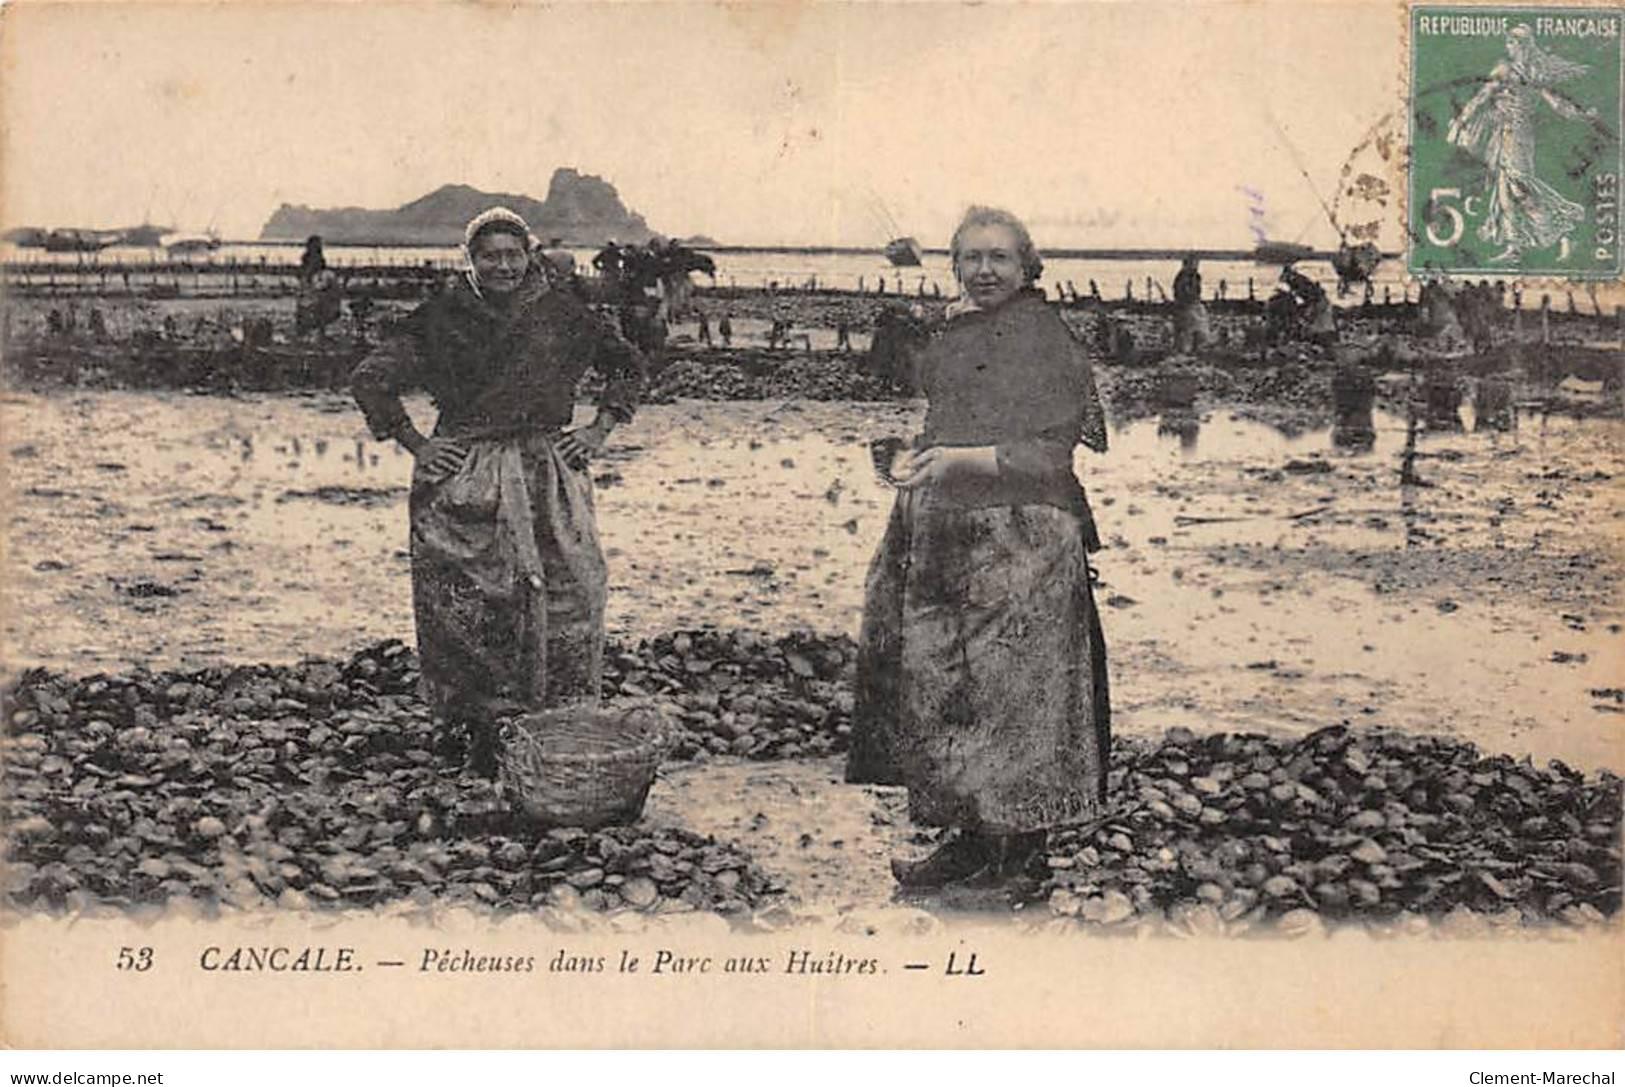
(319, 785)
(1341, 824)
(313, 785)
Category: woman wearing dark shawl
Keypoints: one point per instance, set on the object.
(981, 667)
(508, 578)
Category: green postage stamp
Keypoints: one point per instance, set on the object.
(1515, 140)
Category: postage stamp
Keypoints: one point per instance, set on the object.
(1515, 140)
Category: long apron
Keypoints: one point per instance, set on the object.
(508, 579)
(982, 668)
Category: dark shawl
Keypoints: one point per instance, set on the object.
(1018, 379)
(498, 368)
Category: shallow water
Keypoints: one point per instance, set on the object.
(1241, 588)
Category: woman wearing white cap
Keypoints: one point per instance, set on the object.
(508, 578)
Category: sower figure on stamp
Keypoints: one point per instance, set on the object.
(981, 663)
(1497, 126)
(508, 578)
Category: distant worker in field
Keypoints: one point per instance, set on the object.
(1314, 308)
(843, 332)
(704, 335)
(1188, 281)
(672, 265)
(608, 261)
(638, 267)
(1480, 315)
(644, 317)
(313, 262)
(1280, 316)
(894, 349)
(320, 298)
(1190, 315)
(725, 329)
(319, 304)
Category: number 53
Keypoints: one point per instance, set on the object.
(135, 958)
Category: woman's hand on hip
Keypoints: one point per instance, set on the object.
(580, 445)
(942, 461)
(440, 458)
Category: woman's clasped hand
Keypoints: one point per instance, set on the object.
(911, 469)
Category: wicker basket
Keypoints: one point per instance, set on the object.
(582, 766)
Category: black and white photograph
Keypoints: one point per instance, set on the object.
(614, 525)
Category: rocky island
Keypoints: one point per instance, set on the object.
(581, 209)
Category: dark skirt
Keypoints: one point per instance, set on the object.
(508, 580)
(982, 669)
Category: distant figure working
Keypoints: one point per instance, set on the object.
(320, 297)
(1314, 308)
(608, 261)
(1190, 315)
(313, 262)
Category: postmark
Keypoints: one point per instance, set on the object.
(1515, 141)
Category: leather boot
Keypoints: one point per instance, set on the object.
(1013, 855)
(958, 858)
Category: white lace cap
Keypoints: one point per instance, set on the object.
(495, 215)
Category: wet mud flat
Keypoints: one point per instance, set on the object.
(1249, 575)
(1258, 587)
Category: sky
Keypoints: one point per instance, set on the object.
(1102, 124)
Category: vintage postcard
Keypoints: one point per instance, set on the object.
(811, 525)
